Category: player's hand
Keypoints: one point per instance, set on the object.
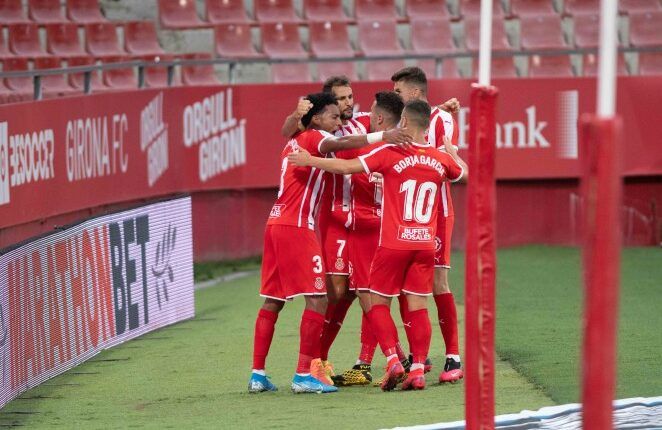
(449, 147)
(450, 106)
(398, 136)
(303, 107)
(299, 158)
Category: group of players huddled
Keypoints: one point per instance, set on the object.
(376, 185)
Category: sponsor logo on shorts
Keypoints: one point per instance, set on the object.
(276, 211)
(415, 234)
(340, 264)
(319, 284)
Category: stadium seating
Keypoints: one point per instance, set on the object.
(646, 29)
(501, 67)
(140, 38)
(4, 51)
(157, 76)
(531, 7)
(101, 40)
(179, 14)
(324, 10)
(282, 40)
(77, 80)
(382, 70)
(234, 41)
(330, 39)
(375, 10)
(541, 32)
(577, 7)
(378, 38)
(427, 9)
(629, 6)
(472, 34)
(20, 85)
(52, 85)
(45, 11)
(11, 12)
(199, 75)
(587, 30)
(62, 40)
(84, 11)
(24, 40)
(119, 79)
(226, 12)
(650, 63)
(448, 68)
(550, 66)
(471, 8)
(290, 73)
(590, 65)
(431, 36)
(275, 11)
(335, 68)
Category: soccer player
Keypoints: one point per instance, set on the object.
(404, 260)
(292, 263)
(411, 84)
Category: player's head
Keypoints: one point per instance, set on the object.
(411, 83)
(324, 115)
(341, 88)
(416, 116)
(386, 111)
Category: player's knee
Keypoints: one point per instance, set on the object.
(440, 285)
(317, 304)
(273, 305)
(415, 303)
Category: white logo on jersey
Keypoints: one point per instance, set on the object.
(276, 211)
(415, 234)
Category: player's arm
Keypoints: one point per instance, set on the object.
(452, 151)
(339, 166)
(451, 106)
(396, 136)
(292, 123)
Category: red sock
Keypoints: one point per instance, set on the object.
(332, 326)
(383, 326)
(368, 340)
(421, 334)
(264, 333)
(447, 314)
(310, 331)
(406, 320)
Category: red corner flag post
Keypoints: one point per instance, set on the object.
(481, 261)
(602, 183)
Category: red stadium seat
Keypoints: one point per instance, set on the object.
(472, 34)
(334, 68)
(23, 85)
(591, 65)
(501, 67)
(275, 11)
(587, 30)
(62, 40)
(119, 79)
(52, 85)
(226, 12)
(382, 70)
(578, 7)
(140, 38)
(4, 51)
(84, 11)
(24, 40)
(45, 11)
(157, 76)
(531, 7)
(471, 8)
(375, 10)
(448, 68)
(330, 39)
(234, 41)
(199, 75)
(11, 12)
(646, 29)
(101, 40)
(282, 40)
(324, 10)
(77, 80)
(429, 9)
(379, 38)
(431, 36)
(650, 63)
(550, 66)
(629, 6)
(178, 14)
(290, 73)
(541, 32)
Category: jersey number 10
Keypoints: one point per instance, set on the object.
(419, 200)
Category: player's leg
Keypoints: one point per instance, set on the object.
(340, 301)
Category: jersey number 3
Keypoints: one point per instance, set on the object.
(419, 200)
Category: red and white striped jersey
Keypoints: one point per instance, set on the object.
(300, 188)
(443, 124)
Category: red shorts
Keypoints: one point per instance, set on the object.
(292, 263)
(361, 245)
(442, 242)
(396, 271)
(333, 236)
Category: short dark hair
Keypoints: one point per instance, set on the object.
(419, 112)
(391, 103)
(319, 101)
(335, 81)
(413, 76)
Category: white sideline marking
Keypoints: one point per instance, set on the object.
(225, 278)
